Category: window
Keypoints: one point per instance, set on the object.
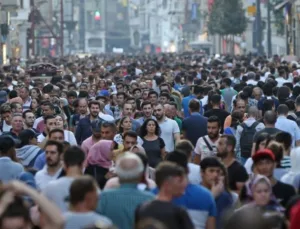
(95, 43)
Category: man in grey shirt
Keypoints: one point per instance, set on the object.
(9, 170)
(58, 190)
(83, 201)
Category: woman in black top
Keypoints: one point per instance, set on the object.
(153, 144)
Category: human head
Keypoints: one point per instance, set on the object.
(71, 96)
(277, 150)
(286, 140)
(147, 109)
(16, 107)
(150, 126)
(253, 112)
(57, 134)
(27, 137)
(60, 121)
(240, 105)
(282, 110)
(153, 97)
(215, 100)
(15, 215)
(84, 191)
(125, 124)
(264, 162)
(24, 93)
(137, 92)
(164, 98)
(213, 127)
(94, 107)
(270, 118)
(131, 100)
(129, 168)
(35, 93)
(121, 96)
(50, 122)
(6, 113)
(82, 106)
(257, 93)
(127, 109)
(170, 178)
(159, 112)
(7, 146)
(120, 87)
(108, 130)
(48, 109)
(262, 141)
(17, 122)
(186, 147)
(53, 152)
(29, 118)
(129, 140)
(225, 146)
(210, 171)
(259, 188)
(194, 106)
(73, 157)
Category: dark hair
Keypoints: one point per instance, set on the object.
(267, 89)
(94, 102)
(55, 130)
(260, 138)
(143, 129)
(49, 117)
(131, 134)
(145, 103)
(80, 187)
(179, 158)
(26, 112)
(283, 94)
(47, 103)
(215, 99)
(227, 81)
(270, 117)
(194, 105)
(164, 94)
(185, 146)
(59, 146)
(214, 119)
(109, 125)
(122, 93)
(277, 150)
(285, 138)
(73, 156)
(12, 94)
(209, 162)
(71, 93)
(236, 118)
(165, 170)
(121, 130)
(153, 93)
(230, 140)
(282, 109)
(25, 136)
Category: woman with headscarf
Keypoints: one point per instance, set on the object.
(99, 161)
(259, 192)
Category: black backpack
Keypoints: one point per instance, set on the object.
(247, 137)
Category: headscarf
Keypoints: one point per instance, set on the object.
(250, 185)
(99, 154)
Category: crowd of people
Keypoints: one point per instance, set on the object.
(151, 142)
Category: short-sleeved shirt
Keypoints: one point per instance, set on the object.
(236, 173)
(289, 126)
(168, 128)
(206, 150)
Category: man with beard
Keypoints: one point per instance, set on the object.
(237, 174)
(206, 146)
(83, 112)
(147, 112)
(84, 130)
(29, 119)
(53, 168)
(170, 132)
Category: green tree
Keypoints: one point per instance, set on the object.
(227, 18)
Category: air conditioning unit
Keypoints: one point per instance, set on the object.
(10, 5)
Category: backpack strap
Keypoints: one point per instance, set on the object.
(207, 144)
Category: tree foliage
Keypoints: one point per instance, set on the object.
(227, 17)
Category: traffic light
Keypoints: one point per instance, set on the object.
(97, 16)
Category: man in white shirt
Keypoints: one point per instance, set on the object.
(282, 78)
(53, 168)
(170, 132)
(58, 190)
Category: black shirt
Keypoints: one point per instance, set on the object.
(282, 192)
(236, 173)
(172, 216)
(221, 114)
(98, 173)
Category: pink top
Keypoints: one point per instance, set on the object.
(86, 145)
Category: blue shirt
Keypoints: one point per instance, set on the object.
(224, 201)
(40, 161)
(194, 127)
(119, 204)
(199, 203)
(288, 126)
(185, 105)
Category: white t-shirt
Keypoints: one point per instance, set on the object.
(194, 173)
(68, 135)
(203, 150)
(6, 127)
(168, 128)
(42, 178)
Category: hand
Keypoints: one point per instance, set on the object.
(17, 187)
(217, 188)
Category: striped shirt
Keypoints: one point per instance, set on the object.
(119, 204)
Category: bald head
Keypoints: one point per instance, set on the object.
(129, 168)
(270, 117)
